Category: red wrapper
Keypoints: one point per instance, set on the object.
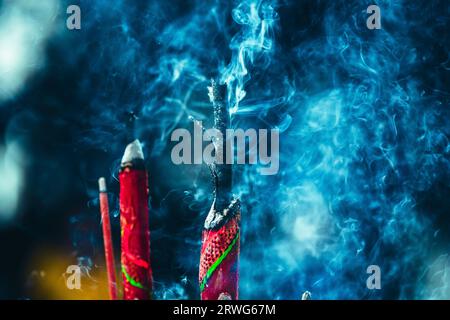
(107, 240)
(135, 234)
(219, 259)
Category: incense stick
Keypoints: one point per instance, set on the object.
(107, 240)
(135, 234)
(218, 274)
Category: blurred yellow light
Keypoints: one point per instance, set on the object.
(47, 278)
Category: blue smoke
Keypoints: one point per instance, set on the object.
(364, 137)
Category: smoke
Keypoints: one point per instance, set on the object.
(255, 37)
(24, 28)
(357, 157)
(363, 141)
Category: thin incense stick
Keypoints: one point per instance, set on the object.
(107, 240)
(135, 233)
(219, 257)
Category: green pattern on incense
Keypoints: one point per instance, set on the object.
(217, 263)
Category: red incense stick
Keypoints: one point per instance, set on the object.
(219, 257)
(107, 240)
(135, 234)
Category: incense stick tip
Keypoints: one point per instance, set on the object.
(102, 185)
(306, 295)
(133, 152)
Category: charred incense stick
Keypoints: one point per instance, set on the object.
(218, 276)
(109, 252)
(135, 234)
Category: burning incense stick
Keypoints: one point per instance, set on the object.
(135, 234)
(109, 251)
(219, 256)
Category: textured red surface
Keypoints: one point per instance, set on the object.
(224, 279)
(135, 234)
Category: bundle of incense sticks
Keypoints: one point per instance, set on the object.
(109, 251)
(219, 257)
(135, 233)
